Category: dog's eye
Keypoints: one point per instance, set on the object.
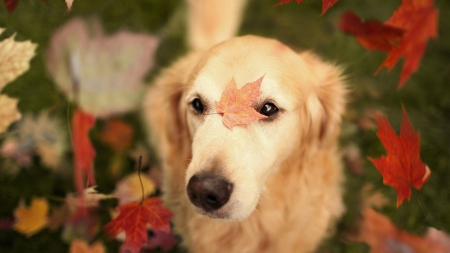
(197, 105)
(268, 109)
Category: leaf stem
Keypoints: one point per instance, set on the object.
(140, 180)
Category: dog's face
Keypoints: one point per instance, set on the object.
(228, 170)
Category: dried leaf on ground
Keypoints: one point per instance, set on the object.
(402, 167)
(15, 58)
(383, 236)
(129, 189)
(8, 112)
(103, 74)
(235, 104)
(79, 246)
(118, 134)
(133, 219)
(31, 219)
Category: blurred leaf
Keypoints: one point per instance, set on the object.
(384, 237)
(29, 220)
(8, 112)
(78, 246)
(103, 74)
(129, 189)
(84, 152)
(117, 134)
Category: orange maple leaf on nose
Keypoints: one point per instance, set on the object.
(402, 167)
(235, 104)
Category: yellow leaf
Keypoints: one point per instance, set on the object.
(29, 220)
(14, 58)
(129, 189)
(8, 111)
(79, 246)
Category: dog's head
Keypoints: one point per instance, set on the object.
(302, 98)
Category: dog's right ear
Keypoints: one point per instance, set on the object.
(165, 115)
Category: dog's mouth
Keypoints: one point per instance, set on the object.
(209, 193)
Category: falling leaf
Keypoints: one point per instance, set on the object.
(117, 134)
(162, 239)
(419, 19)
(79, 246)
(103, 74)
(130, 188)
(29, 220)
(326, 4)
(382, 236)
(133, 219)
(235, 104)
(402, 167)
(371, 34)
(8, 112)
(14, 58)
(84, 152)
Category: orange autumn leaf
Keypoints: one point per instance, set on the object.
(117, 134)
(402, 167)
(419, 19)
(326, 4)
(371, 34)
(380, 233)
(235, 104)
(31, 219)
(84, 152)
(133, 219)
(78, 246)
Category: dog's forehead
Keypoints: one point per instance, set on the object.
(245, 63)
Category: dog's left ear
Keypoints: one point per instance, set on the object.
(326, 103)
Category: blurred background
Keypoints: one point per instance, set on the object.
(119, 138)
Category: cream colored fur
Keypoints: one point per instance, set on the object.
(286, 171)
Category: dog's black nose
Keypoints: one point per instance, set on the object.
(208, 191)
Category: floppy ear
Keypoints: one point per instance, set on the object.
(165, 118)
(325, 104)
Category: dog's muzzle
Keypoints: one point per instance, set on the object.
(209, 191)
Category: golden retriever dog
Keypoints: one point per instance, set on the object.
(270, 186)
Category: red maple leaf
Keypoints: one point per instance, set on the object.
(402, 167)
(133, 219)
(419, 20)
(371, 34)
(235, 104)
(84, 152)
(326, 4)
